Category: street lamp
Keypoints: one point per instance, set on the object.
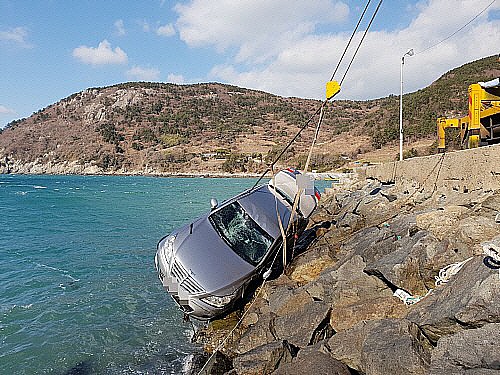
(409, 53)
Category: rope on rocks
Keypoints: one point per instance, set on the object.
(443, 277)
(221, 344)
(406, 297)
(450, 270)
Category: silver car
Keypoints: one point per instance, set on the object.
(207, 265)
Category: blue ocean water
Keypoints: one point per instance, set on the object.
(78, 288)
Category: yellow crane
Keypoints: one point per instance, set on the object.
(482, 124)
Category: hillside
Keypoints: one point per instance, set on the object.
(165, 128)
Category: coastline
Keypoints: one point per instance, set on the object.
(74, 168)
(90, 169)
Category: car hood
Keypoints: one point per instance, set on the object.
(208, 259)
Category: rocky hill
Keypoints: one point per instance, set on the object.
(165, 128)
(400, 282)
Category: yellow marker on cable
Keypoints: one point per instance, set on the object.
(332, 88)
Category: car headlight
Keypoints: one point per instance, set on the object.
(217, 301)
(168, 247)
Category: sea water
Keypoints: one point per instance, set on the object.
(78, 287)
(79, 292)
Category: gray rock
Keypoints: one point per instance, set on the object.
(388, 346)
(442, 222)
(308, 266)
(490, 207)
(475, 229)
(469, 300)
(416, 262)
(259, 332)
(218, 364)
(346, 345)
(263, 359)
(395, 347)
(304, 325)
(354, 296)
(313, 362)
(472, 351)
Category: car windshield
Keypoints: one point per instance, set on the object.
(243, 235)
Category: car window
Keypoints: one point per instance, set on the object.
(243, 235)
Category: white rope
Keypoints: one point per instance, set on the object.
(450, 270)
(492, 250)
(306, 167)
(406, 297)
(265, 276)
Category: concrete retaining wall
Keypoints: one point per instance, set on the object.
(462, 171)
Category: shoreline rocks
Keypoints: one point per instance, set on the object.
(334, 309)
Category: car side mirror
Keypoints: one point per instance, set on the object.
(213, 203)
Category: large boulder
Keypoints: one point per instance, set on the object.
(308, 266)
(381, 347)
(469, 300)
(354, 295)
(263, 359)
(442, 222)
(313, 361)
(471, 351)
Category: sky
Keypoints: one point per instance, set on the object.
(50, 49)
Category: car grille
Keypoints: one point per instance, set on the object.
(185, 280)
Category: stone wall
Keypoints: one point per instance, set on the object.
(460, 171)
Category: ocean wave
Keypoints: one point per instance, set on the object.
(64, 272)
(39, 187)
(6, 310)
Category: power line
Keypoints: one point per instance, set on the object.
(361, 41)
(350, 39)
(460, 29)
(270, 166)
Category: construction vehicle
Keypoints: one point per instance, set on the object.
(482, 125)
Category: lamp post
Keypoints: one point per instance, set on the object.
(409, 53)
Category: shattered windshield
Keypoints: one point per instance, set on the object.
(245, 237)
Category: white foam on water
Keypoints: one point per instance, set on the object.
(187, 364)
(64, 272)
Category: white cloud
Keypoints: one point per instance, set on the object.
(143, 74)
(6, 111)
(120, 28)
(176, 78)
(16, 35)
(281, 46)
(166, 30)
(258, 29)
(101, 55)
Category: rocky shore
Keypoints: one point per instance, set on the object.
(399, 283)
(10, 166)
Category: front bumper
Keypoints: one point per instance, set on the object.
(185, 291)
